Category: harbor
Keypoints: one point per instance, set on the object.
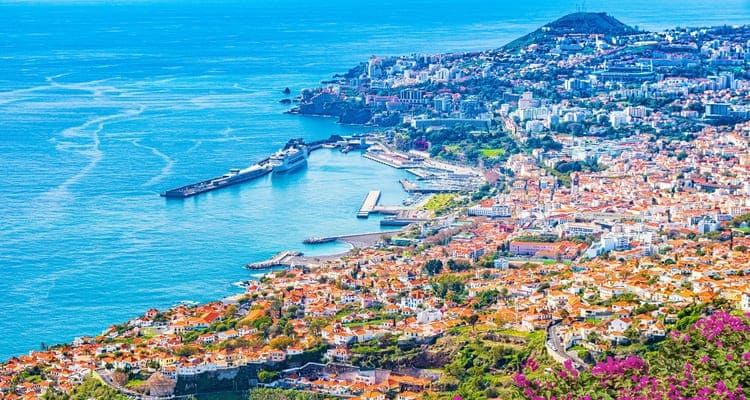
(431, 176)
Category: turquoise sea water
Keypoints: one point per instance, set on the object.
(102, 106)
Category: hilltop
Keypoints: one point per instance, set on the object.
(586, 23)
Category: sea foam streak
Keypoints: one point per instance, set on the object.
(165, 171)
(92, 151)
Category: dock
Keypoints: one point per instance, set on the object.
(391, 160)
(236, 176)
(369, 204)
(279, 260)
(318, 240)
(358, 240)
(412, 187)
(406, 217)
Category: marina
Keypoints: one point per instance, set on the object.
(432, 176)
(392, 159)
(438, 187)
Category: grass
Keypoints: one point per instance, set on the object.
(512, 332)
(149, 331)
(553, 262)
(453, 148)
(491, 153)
(440, 203)
(363, 323)
(134, 383)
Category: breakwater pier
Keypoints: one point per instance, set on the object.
(236, 176)
(369, 204)
(279, 260)
(290, 258)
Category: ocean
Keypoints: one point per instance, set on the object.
(105, 104)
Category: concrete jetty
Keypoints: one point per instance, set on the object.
(369, 204)
(295, 258)
(358, 240)
(279, 260)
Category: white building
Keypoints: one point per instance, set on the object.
(501, 263)
(618, 118)
(495, 211)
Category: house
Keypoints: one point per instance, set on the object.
(226, 335)
(619, 325)
(408, 396)
(338, 354)
(294, 350)
(372, 396)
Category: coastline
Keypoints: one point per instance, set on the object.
(355, 241)
(272, 320)
(223, 280)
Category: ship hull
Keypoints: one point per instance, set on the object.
(283, 169)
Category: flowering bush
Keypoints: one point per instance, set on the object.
(710, 360)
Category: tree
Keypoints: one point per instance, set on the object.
(448, 283)
(593, 337)
(633, 335)
(317, 324)
(433, 267)
(460, 265)
(267, 376)
(472, 320)
(186, 351)
(281, 342)
(262, 323)
(487, 298)
(231, 311)
(91, 388)
(279, 394)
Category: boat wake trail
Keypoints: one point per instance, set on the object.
(91, 150)
(194, 146)
(166, 169)
(19, 95)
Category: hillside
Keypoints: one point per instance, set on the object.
(577, 23)
(708, 360)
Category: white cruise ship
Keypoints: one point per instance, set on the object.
(289, 159)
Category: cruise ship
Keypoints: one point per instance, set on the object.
(289, 158)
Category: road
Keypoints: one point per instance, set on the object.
(556, 345)
(106, 378)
